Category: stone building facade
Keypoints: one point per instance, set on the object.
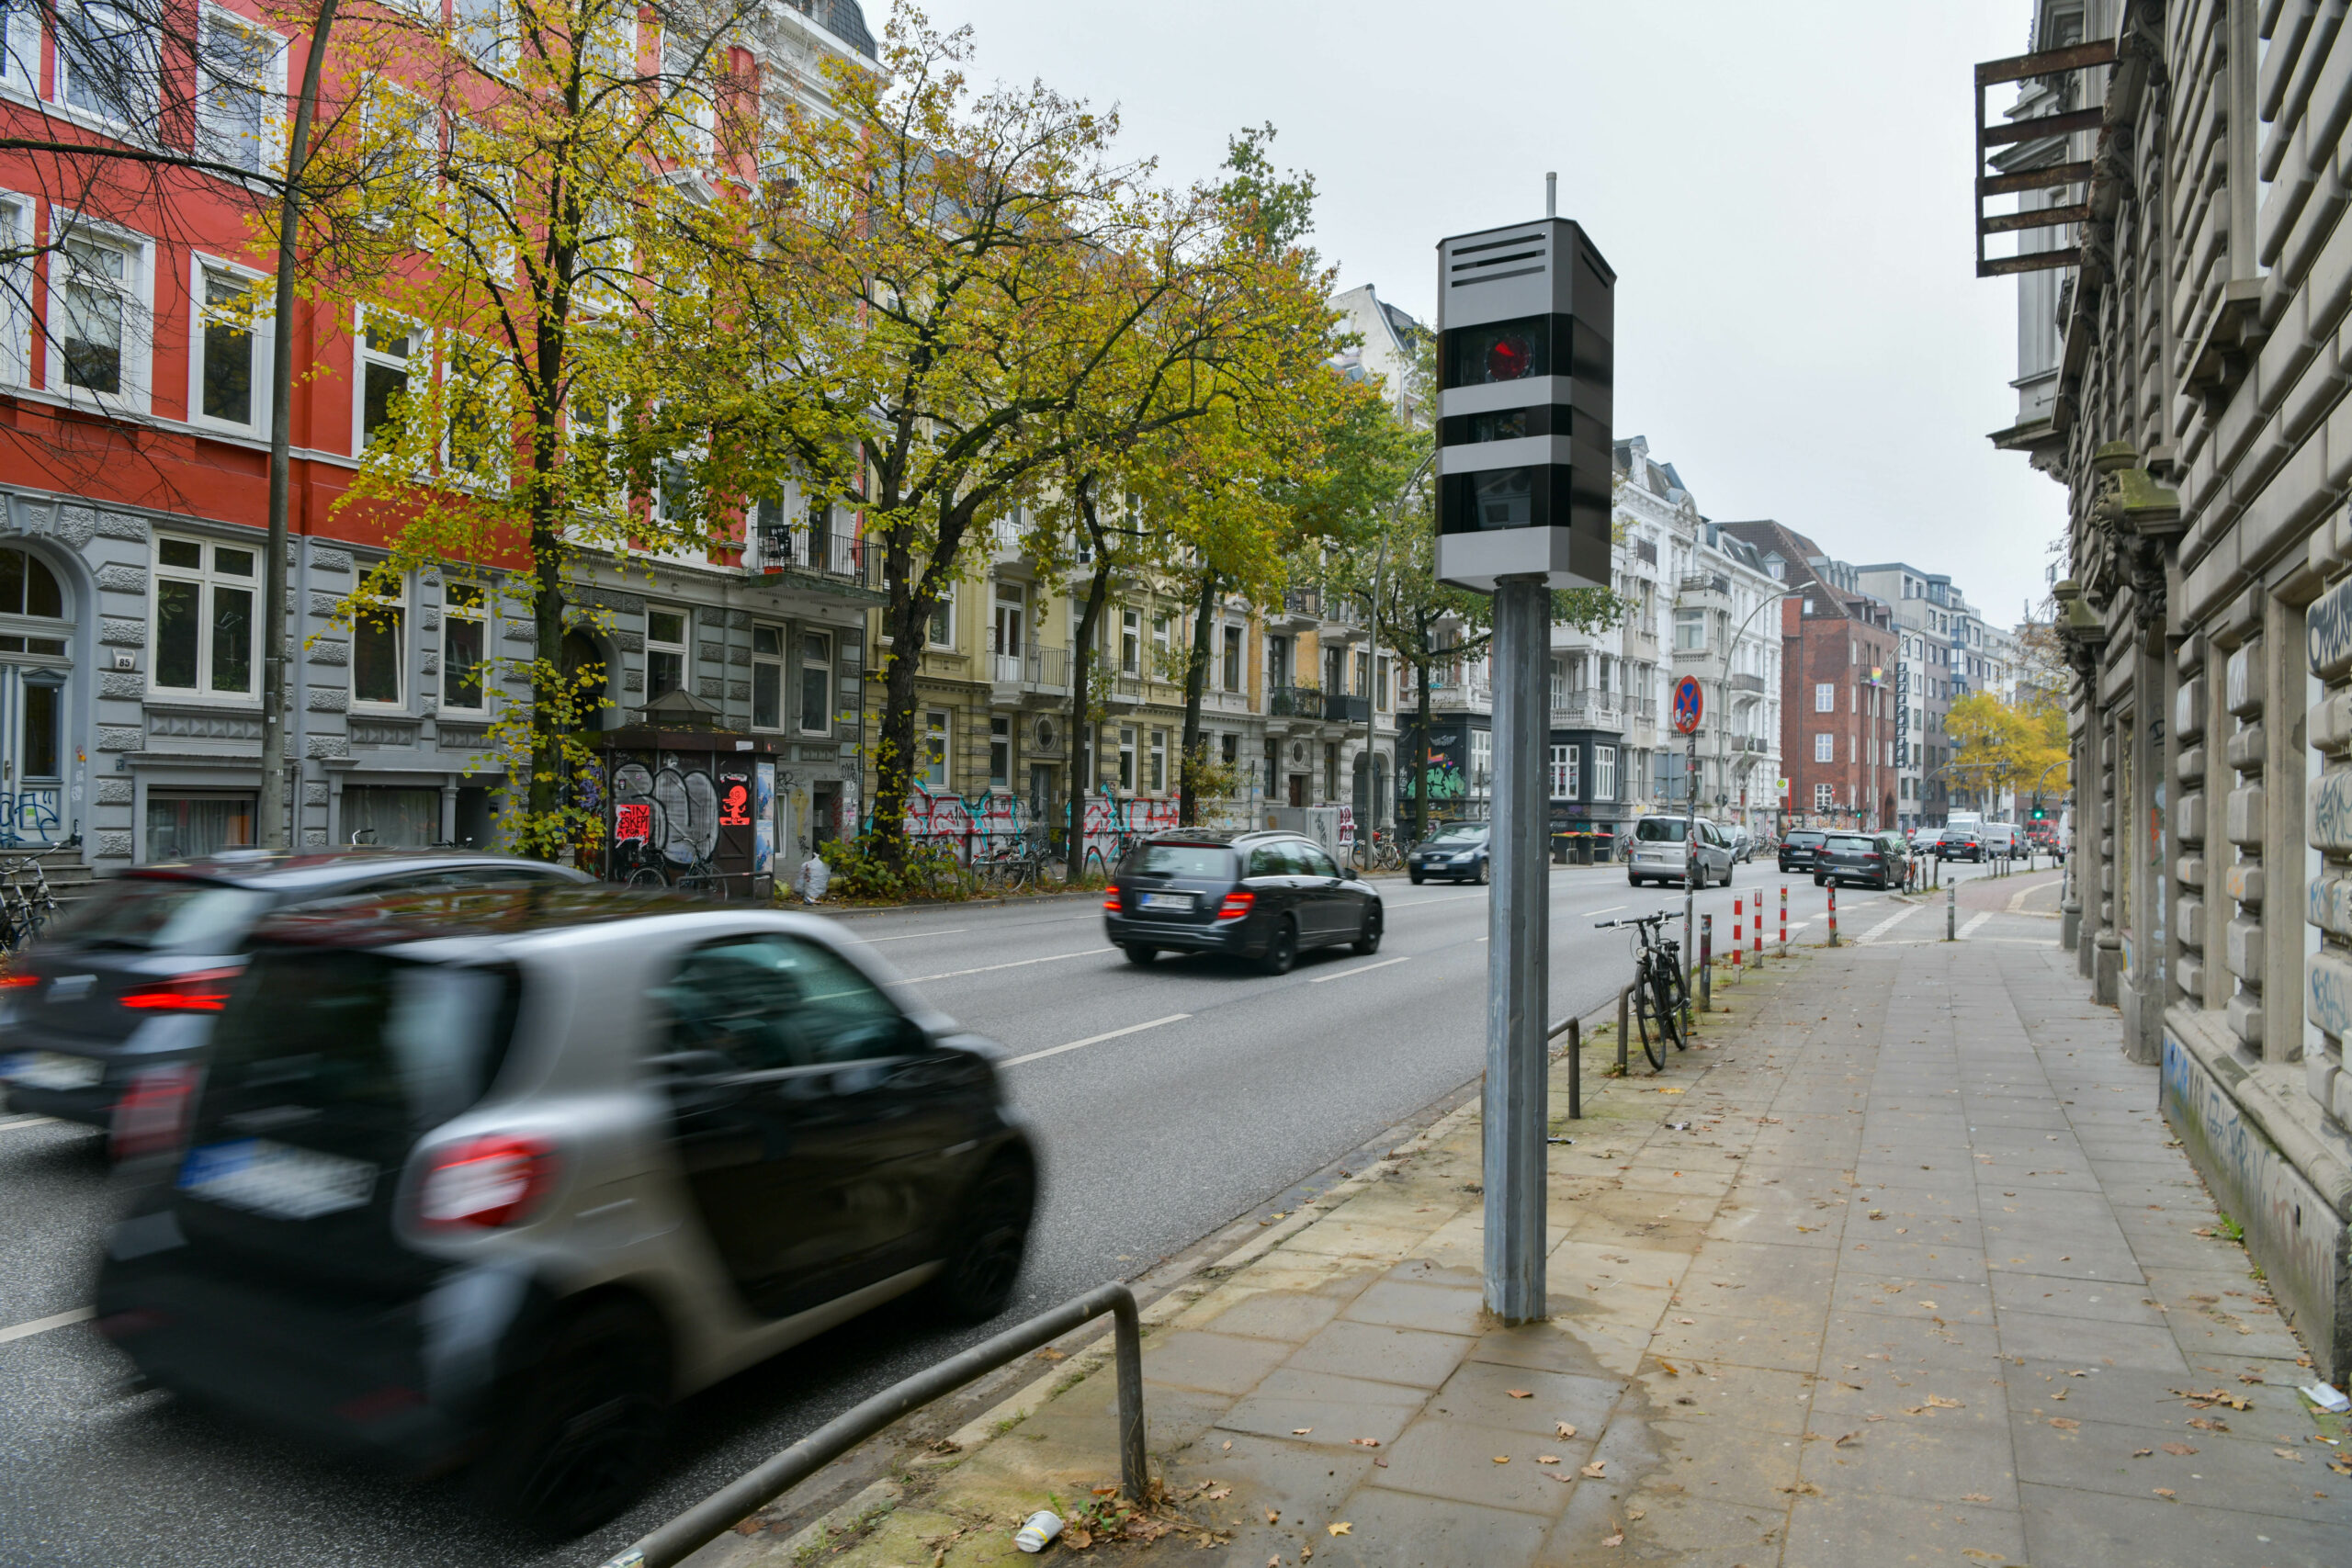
(2187, 387)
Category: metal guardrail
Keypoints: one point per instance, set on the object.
(716, 1513)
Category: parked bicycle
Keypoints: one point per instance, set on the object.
(25, 902)
(1378, 850)
(1658, 985)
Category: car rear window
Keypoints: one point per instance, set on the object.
(378, 1049)
(1802, 836)
(162, 914)
(1661, 830)
(1460, 837)
(1850, 843)
(1212, 861)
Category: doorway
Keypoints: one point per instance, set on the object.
(32, 753)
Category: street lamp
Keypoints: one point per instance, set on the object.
(1723, 736)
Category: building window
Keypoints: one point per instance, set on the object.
(378, 642)
(767, 678)
(1229, 748)
(943, 618)
(1824, 796)
(223, 351)
(240, 67)
(1158, 761)
(1564, 772)
(98, 285)
(1130, 642)
(1825, 696)
(1380, 682)
(1825, 747)
(183, 826)
(28, 588)
(1127, 758)
(1233, 659)
(1690, 630)
(1159, 644)
(1482, 757)
(461, 645)
(665, 652)
(1001, 752)
(934, 751)
(205, 634)
(816, 684)
(1604, 772)
(108, 63)
(386, 347)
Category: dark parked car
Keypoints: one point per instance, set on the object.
(1267, 897)
(109, 1010)
(1959, 843)
(1458, 853)
(1798, 849)
(1875, 860)
(497, 1179)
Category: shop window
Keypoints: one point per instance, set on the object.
(462, 629)
(379, 642)
(406, 818)
(665, 652)
(205, 634)
(181, 827)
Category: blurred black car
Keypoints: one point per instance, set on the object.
(1959, 843)
(1267, 897)
(1458, 853)
(496, 1178)
(104, 1020)
(1875, 860)
(1800, 848)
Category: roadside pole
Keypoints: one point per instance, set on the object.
(1518, 948)
(1692, 865)
(1952, 911)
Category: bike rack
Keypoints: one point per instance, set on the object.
(716, 1513)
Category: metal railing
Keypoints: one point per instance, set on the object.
(1046, 669)
(828, 555)
(1294, 702)
(716, 1513)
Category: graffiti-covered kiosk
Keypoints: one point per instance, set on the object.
(679, 792)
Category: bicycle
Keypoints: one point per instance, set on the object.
(1656, 1012)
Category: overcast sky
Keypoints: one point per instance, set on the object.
(1783, 187)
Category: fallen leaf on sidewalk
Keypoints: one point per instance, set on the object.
(2142, 1453)
(1974, 1497)
(1218, 1494)
(2289, 1453)
(1595, 1468)
(1801, 1489)
(1050, 1354)
(1676, 1091)
(2202, 1425)
(2179, 1450)
(2165, 1492)
(2064, 1425)
(1365, 1442)
(1937, 1402)
(1564, 1429)
(1847, 1438)
(1502, 1459)
(1686, 1320)
(1547, 1458)
(1300, 1431)
(1617, 1540)
(1520, 1393)
(1669, 1368)
(1274, 1516)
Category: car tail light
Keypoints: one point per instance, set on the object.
(151, 1116)
(1111, 898)
(207, 990)
(1235, 906)
(17, 982)
(486, 1182)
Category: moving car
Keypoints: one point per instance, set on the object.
(1268, 896)
(1959, 843)
(114, 1003)
(1798, 849)
(1661, 854)
(1458, 853)
(1874, 860)
(493, 1179)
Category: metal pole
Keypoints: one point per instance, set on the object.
(1575, 1069)
(1372, 633)
(1952, 911)
(1518, 956)
(1784, 919)
(1833, 914)
(1707, 963)
(1690, 862)
(1738, 938)
(1625, 1022)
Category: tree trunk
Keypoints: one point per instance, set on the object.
(904, 619)
(1082, 729)
(1422, 744)
(1196, 679)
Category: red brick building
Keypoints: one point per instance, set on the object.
(1838, 715)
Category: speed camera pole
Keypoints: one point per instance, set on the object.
(1525, 318)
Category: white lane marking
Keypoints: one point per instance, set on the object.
(27, 1121)
(1612, 908)
(910, 936)
(1363, 968)
(1016, 964)
(44, 1324)
(1447, 898)
(1969, 929)
(1889, 923)
(1097, 1039)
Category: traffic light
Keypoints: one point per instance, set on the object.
(1526, 315)
(2039, 814)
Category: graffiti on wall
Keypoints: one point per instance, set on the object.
(971, 827)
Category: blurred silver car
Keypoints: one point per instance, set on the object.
(1661, 853)
(498, 1179)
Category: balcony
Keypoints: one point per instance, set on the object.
(1750, 745)
(1749, 683)
(839, 557)
(1031, 676)
(1589, 710)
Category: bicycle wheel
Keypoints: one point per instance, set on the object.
(1650, 1024)
(648, 876)
(1671, 1013)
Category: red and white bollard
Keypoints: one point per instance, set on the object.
(1757, 937)
(1833, 914)
(1784, 919)
(1735, 937)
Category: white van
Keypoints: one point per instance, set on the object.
(2001, 838)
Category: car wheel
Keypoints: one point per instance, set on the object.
(1414, 877)
(585, 1422)
(992, 1235)
(1481, 878)
(1369, 942)
(1282, 948)
(1633, 882)
(1140, 952)
(1819, 880)
(1731, 869)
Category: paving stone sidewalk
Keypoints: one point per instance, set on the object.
(1902, 1266)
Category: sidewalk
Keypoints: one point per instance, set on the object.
(1899, 1267)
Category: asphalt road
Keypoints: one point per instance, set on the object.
(1192, 1092)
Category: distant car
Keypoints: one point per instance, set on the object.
(1459, 853)
(1959, 843)
(2001, 838)
(1661, 853)
(1267, 897)
(113, 1005)
(1798, 849)
(500, 1179)
(1874, 860)
(1743, 843)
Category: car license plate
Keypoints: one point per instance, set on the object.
(275, 1179)
(46, 1069)
(1178, 902)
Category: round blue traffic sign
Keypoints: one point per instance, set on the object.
(1688, 704)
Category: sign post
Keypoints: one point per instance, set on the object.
(1690, 704)
(1525, 317)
